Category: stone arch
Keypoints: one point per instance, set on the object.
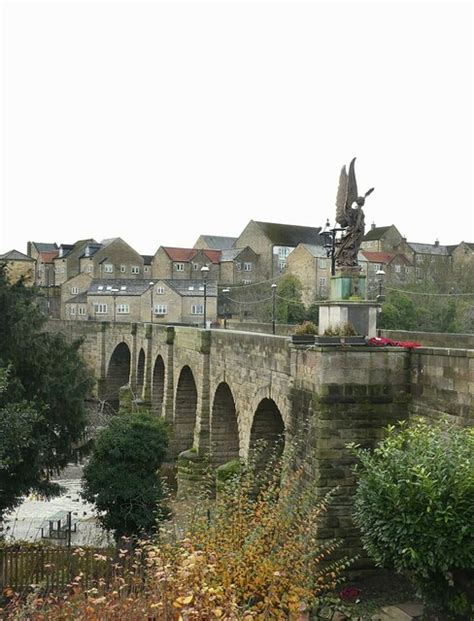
(267, 428)
(118, 374)
(224, 426)
(184, 411)
(158, 386)
(140, 373)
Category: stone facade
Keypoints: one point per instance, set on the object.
(67, 263)
(18, 266)
(112, 259)
(71, 288)
(185, 263)
(382, 239)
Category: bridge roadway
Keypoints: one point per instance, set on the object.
(222, 391)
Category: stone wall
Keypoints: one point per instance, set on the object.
(281, 329)
(432, 339)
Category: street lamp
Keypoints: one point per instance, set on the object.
(205, 273)
(273, 306)
(151, 283)
(226, 306)
(380, 274)
(330, 243)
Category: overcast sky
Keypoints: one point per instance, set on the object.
(159, 121)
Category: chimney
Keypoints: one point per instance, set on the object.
(372, 226)
(436, 242)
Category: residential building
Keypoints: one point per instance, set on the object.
(185, 263)
(147, 265)
(18, 266)
(75, 286)
(112, 259)
(396, 267)
(310, 264)
(273, 243)
(462, 255)
(239, 266)
(382, 239)
(44, 255)
(67, 263)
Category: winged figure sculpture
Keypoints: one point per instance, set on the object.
(350, 216)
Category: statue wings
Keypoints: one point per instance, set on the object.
(346, 194)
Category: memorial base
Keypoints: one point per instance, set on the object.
(348, 284)
(334, 316)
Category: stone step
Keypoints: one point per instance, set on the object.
(408, 611)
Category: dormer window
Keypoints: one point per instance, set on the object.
(179, 267)
(87, 252)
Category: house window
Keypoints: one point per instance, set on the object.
(89, 268)
(322, 264)
(160, 290)
(247, 267)
(146, 269)
(238, 266)
(246, 282)
(100, 309)
(108, 268)
(73, 310)
(123, 269)
(74, 290)
(281, 265)
(135, 269)
(123, 309)
(195, 267)
(179, 267)
(197, 309)
(322, 281)
(160, 309)
(376, 267)
(82, 310)
(398, 269)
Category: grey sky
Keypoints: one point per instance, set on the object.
(160, 121)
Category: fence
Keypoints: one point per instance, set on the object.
(53, 568)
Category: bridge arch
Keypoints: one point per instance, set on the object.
(158, 386)
(140, 373)
(224, 426)
(184, 411)
(118, 373)
(267, 428)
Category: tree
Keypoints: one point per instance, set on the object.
(289, 307)
(414, 504)
(43, 387)
(122, 476)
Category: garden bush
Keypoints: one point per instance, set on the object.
(414, 505)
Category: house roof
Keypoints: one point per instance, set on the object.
(48, 256)
(289, 234)
(45, 247)
(384, 257)
(15, 255)
(93, 248)
(78, 299)
(376, 233)
(429, 249)
(216, 242)
(192, 288)
(147, 259)
(316, 250)
(118, 287)
(186, 254)
(453, 247)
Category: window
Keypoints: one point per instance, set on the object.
(281, 265)
(108, 268)
(322, 264)
(123, 309)
(160, 290)
(160, 309)
(82, 310)
(123, 288)
(195, 266)
(376, 267)
(74, 290)
(146, 269)
(89, 268)
(135, 269)
(322, 281)
(398, 269)
(247, 267)
(246, 282)
(100, 309)
(197, 309)
(100, 287)
(123, 269)
(238, 266)
(179, 267)
(73, 310)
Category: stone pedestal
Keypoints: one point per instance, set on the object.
(362, 315)
(348, 284)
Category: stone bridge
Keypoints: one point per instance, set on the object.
(222, 391)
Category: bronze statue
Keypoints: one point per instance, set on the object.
(350, 217)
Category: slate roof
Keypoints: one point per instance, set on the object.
(316, 250)
(45, 247)
(186, 254)
(289, 234)
(121, 286)
(217, 242)
(453, 247)
(384, 257)
(192, 288)
(15, 255)
(377, 233)
(93, 248)
(429, 249)
(231, 254)
(147, 259)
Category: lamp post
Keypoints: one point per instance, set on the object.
(380, 274)
(205, 273)
(226, 307)
(273, 306)
(330, 243)
(151, 283)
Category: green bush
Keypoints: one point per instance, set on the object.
(307, 327)
(414, 505)
(346, 329)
